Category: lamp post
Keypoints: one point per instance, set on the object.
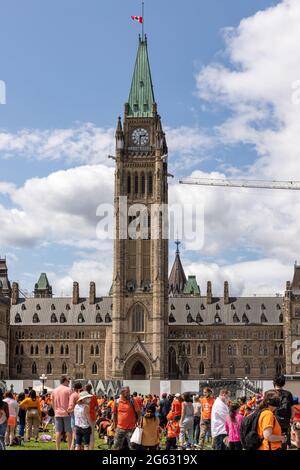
(245, 388)
(43, 379)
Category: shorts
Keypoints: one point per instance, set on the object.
(12, 421)
(82, 434)
(63, 424)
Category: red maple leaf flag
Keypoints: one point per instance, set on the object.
(140, 19)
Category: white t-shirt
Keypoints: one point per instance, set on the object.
(219, 414)
(80, 417)
(13, 406)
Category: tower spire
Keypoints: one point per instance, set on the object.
(141, 102)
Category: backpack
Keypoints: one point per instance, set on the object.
(250, 438)
(284, 411)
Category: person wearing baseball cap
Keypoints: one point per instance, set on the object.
(83, 421)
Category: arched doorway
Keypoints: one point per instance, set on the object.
(138, 371)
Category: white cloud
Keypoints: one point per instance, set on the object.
(57, 208)
(84, 143)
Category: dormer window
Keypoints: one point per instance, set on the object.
(82, 307)
(97, 307)
(18, 318)
(263, 307)
(80, 318)
(35, 318)
(278, 307)
(62, 318)
(245, 319)
(199, 319)
(263, 318)
(202, 307)
(98, 318)
(217, 307)
(281, 318)
(189, 318)
(187, 307)
(172, 307)
(145, 107)
(217, 318)
(232, 307)
(107, 318)
(248, 307)
(172, 318)
(23, 307)
(135, 107)
(53, 318)
(68, 307)
(38, 307)
(52, 307)
(236, 318)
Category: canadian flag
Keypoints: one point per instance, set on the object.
(140, 19)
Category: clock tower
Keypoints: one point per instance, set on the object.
(140, 275)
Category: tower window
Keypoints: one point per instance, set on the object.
(145, 107)
(18, 318)
(129, 184)
(143, 183)
(62, 318)
(35, 318)
(150, 183)
(136, 183)
(138, 319)
(135, 107)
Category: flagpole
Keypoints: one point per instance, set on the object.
(143, 21)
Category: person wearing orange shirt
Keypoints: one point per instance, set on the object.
(125, 418)
(206, 403)
(268, 427)
(173, 431)
(176, 407)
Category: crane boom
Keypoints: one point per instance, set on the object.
(240, 183)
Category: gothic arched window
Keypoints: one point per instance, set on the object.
(36, 349)
(62, 349)
(150, 183)
(67, 350)
(172, 361)
(94, 368)
(49, 368)
(80, 318)
(138, 319)
(33, 368)
(128, 184)
(247, 368)
(64, 369)
(92, 350)
(97, 350)
(19, 368)
(35, 318)
(186, 368)
(201, 368)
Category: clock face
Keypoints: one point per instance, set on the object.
(140, 136)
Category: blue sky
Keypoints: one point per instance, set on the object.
(69, 63)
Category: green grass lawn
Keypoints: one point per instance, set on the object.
(100, 444)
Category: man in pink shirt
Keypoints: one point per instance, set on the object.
(60, 403)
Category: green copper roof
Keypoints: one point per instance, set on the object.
(191, 286)
(43, 282)
(141, 97)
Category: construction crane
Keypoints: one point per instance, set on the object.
(241, 183)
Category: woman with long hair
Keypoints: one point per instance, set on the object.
(33, 415)
(4, 415)
(268, 427)
(232, 425)
(186, 422)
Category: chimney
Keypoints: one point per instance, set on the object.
(15, 293)
(226, 293)
(75, 293)
(209, 293)
(92, 299)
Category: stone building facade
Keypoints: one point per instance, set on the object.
(150, 326)
(5, 292)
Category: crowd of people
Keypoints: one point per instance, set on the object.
(134, 421)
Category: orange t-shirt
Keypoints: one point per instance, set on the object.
(268, 420)
(93, 407)
(176, 407)
(126, 415)
(173, 429)
(206, 407)
(296, 409)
